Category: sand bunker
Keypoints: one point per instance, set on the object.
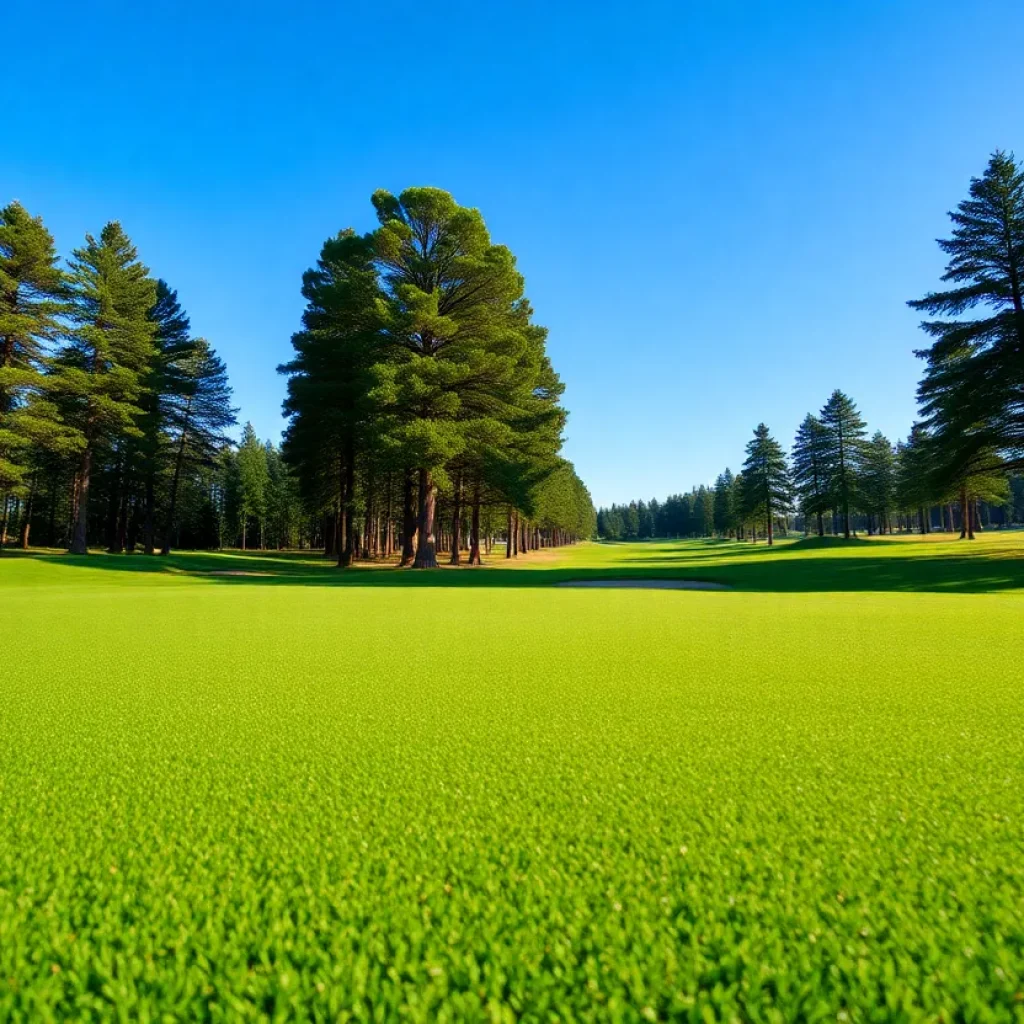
(647, 584)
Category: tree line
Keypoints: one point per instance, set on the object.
(112, 412)
(959, 467)
(423, 411)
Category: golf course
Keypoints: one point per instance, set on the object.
(250, 787)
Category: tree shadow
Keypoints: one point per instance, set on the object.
(878, 565)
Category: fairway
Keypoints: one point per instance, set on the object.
(472, 795)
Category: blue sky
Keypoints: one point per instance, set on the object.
(720, 208)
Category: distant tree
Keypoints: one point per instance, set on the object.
(704, 511)
(811, 470)
(878, 483)
(724, 512)
(197, 414)
(253, 481)
(844, 450)
(101, 373)
(766, 484)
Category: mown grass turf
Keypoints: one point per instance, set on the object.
(469, 795)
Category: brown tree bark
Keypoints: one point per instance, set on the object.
(474, 529)
(426, 550)
(148, 524)
(79, 537)
(456, 555)
(346, 551)
(172, 504)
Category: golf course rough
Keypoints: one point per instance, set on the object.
(446, 797)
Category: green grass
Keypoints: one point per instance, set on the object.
(467, 795)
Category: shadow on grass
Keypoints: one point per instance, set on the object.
(804, 566)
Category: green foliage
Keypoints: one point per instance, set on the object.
(253, 482)
(878, 478)
(766, 485)
(650, 809)
(811, 470)
(972, 390)
(843, 446)
(32, 297)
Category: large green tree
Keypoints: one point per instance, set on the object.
(334, 412)
(766, 485)
(843, 446)
(449, 310)
(972, 392)
(811, 470)
(253, 482)
(32, 299)
(878, 481)
(196, 414)
(102, 371)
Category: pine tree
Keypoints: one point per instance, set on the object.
(253, 480)
(878, 483)
(973, 388)
(165, 386)
(335, 411)
(766, 484)
(32, 298)
(102, 372)
(810, 470)
(195, 414)
(843, 447)
(450, 300)
(724, 512)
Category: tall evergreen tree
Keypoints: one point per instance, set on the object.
(196, 413)
(724, 510)
(335, 412)
(973, 388)
(102, 371)
(253, 481)
(811, 470)
(165, 386)
(878, 483)
(844, 448)
(450, 301)
(32, 298)
(766, 484)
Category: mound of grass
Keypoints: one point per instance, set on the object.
(472, 795)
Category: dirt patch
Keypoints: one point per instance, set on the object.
(647, 584)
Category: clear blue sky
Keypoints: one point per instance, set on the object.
(720, 208)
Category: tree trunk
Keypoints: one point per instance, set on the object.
(244, 524)
(172, 504)
(508, 536)
(474, 529)
(348, 497)
(114, 511)
(79, 538)
(965, 514)
(408, 521)
(148, 524)
(456, 556)
(426, 551)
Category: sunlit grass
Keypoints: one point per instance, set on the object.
(468, 795)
